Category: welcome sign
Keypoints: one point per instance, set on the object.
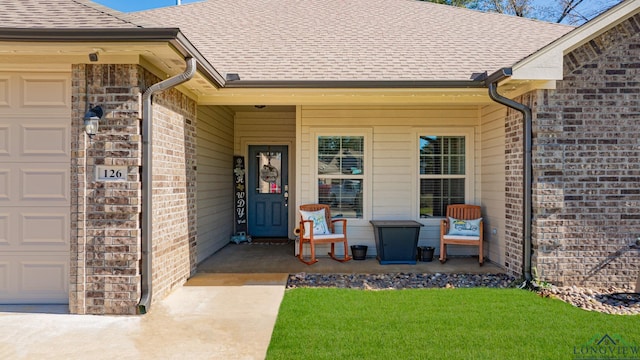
(240, 195)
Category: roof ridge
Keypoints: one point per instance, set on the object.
(116, 14)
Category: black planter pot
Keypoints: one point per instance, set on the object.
(425, 253)
(359, 252)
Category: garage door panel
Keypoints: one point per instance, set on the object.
(35, 140)
(44, 90)
(44, 230)
(5, 279)
(34, 184)
(5, 100)
(46, 275)
(29, 279)
(5, 229)
(46, 183)
(5, 186)
(5, 141)
(34, 229)
(44, 140)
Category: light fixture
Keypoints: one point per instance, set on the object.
(91, 120)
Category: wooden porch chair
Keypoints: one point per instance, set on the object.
(463, 232)
(311, 231)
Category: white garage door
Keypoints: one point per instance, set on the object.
(35, 116)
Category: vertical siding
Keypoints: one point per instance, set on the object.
(214, 179)
(492, 149)
(394, 177)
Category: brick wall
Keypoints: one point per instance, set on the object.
(514, 190)
(105, 246)
(174, 190)
(587, 168)
(106, 228)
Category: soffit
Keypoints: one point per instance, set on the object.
(161, 58)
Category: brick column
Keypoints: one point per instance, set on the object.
(514, 187)
(106, 231)
(106, 228)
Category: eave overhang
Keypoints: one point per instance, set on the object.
(147, 43)
(547, 63)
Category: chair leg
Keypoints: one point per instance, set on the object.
(443, 253)
(346, 253)
(481, 254)
(313, 255)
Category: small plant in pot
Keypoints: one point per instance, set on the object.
(359, 252)
(425, 253)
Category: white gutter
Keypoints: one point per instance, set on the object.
(147, 179)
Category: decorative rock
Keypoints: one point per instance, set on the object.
(609, 300)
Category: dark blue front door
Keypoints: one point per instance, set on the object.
(268, 191)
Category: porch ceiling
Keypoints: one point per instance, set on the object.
(353, 96)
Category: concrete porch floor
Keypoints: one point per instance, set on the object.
(261, 258)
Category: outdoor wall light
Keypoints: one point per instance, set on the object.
(91, 120)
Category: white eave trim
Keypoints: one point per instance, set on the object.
(546, 63)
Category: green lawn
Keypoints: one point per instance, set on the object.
(477, 323)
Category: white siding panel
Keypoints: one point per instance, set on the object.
(394, 188)
(214, 179)
(493, 183)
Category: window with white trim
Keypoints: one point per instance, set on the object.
(444, 172)
(340, 174)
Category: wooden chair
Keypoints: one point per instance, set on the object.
(461, 212)
(307, 235)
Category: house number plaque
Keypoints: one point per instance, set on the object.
(111, 173)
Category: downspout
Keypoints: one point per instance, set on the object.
(147, 188)
(492, 83)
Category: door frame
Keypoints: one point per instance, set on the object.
(291, 149)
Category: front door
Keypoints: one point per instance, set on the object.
(268, 191)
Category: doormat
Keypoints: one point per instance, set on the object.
(270, 241)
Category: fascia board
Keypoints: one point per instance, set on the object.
(547, 63)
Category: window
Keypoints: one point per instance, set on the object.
(443, 173)
(341, 174)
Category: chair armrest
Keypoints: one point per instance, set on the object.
(344, 225)
(444, 226)
(302, 227)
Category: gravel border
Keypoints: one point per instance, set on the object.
(609, 300)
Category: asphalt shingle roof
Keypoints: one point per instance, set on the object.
(355, 39)
(318, 39)
(63, 14)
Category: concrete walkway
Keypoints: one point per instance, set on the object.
(214, 316)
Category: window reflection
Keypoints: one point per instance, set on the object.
(340, 174)
(442, 173)
(269, 175)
